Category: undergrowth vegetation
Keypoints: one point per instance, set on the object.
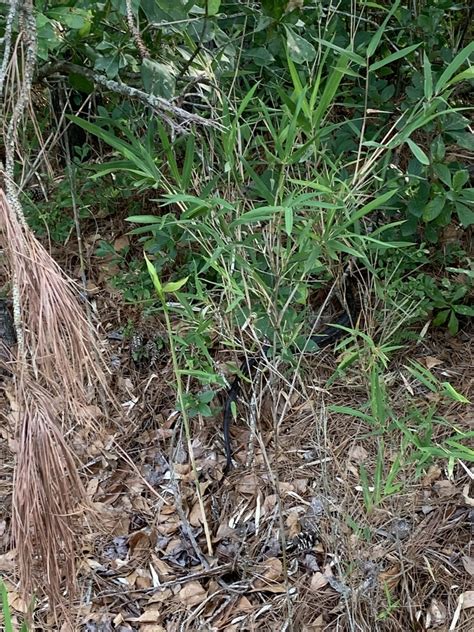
(337, 145)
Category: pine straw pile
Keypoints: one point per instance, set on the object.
(293, 543)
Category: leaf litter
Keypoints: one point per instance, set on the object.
(290, 535)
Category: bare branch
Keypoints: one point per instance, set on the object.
(163, 108)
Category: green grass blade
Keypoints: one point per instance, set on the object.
(453, 67)
(375, 41)
(330, 89)
(6, 608)
(393, 57)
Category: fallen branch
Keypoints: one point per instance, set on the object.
(164, 108)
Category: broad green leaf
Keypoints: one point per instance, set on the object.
(443, 173)
(72, 17)
(434, 208)
(465, 75)
(393, 57)
(260, 185)
(143, 219)
(136, 153)
(108, 64)
(187, 169)
(166, 10)
(453, 324)
(300, 50)
(114, 166)
(423, 375)
(465, 214)
(352, 412)
(330, 88)
(213, 7)
(297, 85)
(460, 178)
(464, 310)
(453, 67)
(463, 139)
(260, 56)
(418, 152)
(469, 273)
(311, 185)
(203, 376)
(7, 619)
(246, 100)
(441, 317)
(158, 78)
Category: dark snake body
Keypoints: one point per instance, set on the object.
(323, 339)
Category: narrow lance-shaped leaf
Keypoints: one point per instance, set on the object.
(370, 206)
(427, 77)
(375, 41)
(418, 152)
(154, 277)
(393, 57)
(453, 67)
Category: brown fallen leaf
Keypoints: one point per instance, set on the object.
(191, 594)
(293, 524)
(318, 581)
(432, 475)
(248, 484)
(430, 362)
(16, 602)
(468, 563)
(445, 489)
(139, 542)
(390, 577)
(269, 504)
(317, 625)
(121, 242)
(224, 531)
(436, 614)
(243, 605)
(152, 615)
(8, 561)
(467, 599)
(270, 572)
(358, 454)
(161, 596)
(195, 515)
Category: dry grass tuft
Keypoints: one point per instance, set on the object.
(46, 495)
(52, 331)
(56, 362)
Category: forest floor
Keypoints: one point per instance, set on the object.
(293, 537)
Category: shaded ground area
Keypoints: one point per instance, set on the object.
(324, 524)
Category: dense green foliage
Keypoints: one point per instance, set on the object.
(332, 135)
(251, 150)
